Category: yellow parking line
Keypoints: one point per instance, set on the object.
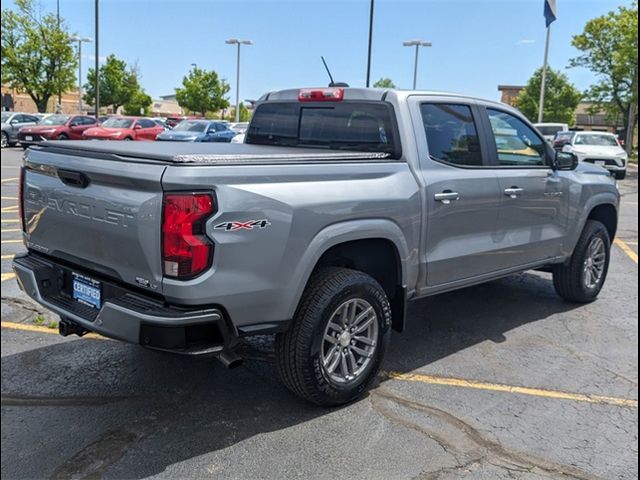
(9, 198)
(627, 249)
(495, 387)
(10, 241)
(43, 329)
(7, 180)
(10, 209)
(7, 257)
(10, 230)
(7, 276)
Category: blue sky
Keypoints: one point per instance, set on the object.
(477, 44)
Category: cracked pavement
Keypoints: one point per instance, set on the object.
(90, 408)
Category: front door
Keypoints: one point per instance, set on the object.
(533, 213)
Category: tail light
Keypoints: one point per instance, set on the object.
(21, 199)
(321, 95)
(186, 250)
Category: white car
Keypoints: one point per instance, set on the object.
(599, 148)
(549, 130)
(239, 138)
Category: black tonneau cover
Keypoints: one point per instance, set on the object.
(189, 153)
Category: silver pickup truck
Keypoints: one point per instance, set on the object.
(342, 205)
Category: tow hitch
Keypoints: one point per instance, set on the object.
(67, 327)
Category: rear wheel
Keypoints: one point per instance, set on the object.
(583, 277)
(4, 141)
(127, 139)
(333, 349)
(63, 136)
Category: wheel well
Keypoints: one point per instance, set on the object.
(608, 216)
(379, 258)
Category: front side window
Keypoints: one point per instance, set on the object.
(452, 136)
(517, 143)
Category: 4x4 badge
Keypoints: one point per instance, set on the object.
(248, 225)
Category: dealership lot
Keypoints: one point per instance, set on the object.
(503, 380)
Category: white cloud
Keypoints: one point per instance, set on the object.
(525, 41)
(101, 58)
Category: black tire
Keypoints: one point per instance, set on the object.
(298, 350)
(620, 175)
(62, 136)
(5, 140)
(569, 279)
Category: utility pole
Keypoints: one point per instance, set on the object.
(543, 84)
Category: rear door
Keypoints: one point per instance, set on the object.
(100, 214)
(534, 207)
(462, 196)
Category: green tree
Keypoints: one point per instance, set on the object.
(384, 83)
(561, 98)
(138, 104)
(118, 83)
(245, 113)
(202, 91)
(609, 48)
(36, 55)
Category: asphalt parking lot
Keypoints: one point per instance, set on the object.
(499, 381)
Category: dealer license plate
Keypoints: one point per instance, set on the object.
(86, 290)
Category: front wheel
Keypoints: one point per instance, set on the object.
(4, 142)
(621, 175)
(583, 277)
(334, 347)
(62, 136)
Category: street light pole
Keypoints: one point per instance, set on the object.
(235, 41)
(97, 61)
(371, 10)
(80, 40)
(417, 44)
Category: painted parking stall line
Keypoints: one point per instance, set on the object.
(624, 246)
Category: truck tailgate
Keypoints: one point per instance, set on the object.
(103, 215)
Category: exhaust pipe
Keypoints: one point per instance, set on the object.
(67, 327)
(230, 359)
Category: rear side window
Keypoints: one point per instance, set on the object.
(88, 120)
(452, 136)
(355, 126)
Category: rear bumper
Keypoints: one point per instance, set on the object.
(126, 314)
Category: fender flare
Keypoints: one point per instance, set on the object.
(341, 232)
(603, 198)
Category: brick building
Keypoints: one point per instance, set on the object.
(23, 103)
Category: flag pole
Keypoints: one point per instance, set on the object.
(543, 84)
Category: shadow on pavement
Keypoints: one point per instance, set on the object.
(160, 409)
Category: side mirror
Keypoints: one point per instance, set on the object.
(565, 161)
(137, 127)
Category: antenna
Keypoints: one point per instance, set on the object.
(328, 71)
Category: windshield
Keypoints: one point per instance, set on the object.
(550, 129)
(5, 117)
(54, 120)
(355, 126)
(190, 126)
(597, 140)
(118, 123)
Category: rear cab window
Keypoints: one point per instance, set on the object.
(361, 126)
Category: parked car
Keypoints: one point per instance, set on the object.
(342, 205)
(239, 138)
(599, 148)
(56, 127)
(240, 127)
(549, 130)
(125, 128)
(198, 131)
(561, 139)
(12, 122)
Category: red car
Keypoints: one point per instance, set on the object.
(56, 127)
(124, 128)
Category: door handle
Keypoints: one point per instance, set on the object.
(513, 192)
(446, 197)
